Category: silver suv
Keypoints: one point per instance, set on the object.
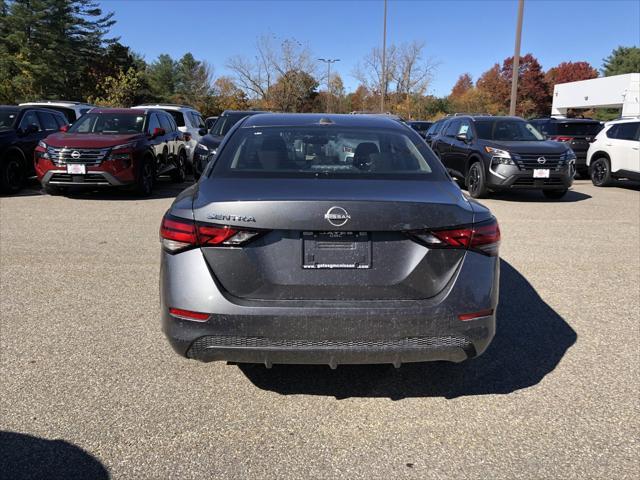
(189, 121)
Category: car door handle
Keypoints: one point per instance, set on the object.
(608, 144)
(636, 148)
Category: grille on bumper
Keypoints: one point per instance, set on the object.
(531, 182)
(62, 156)
(530, 162)
(89, 178)
(200, 346)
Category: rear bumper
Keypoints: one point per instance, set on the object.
(324, 332)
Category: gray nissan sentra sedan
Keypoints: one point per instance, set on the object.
(289, 251)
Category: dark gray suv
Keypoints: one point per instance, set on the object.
(286, 251)
(503, 153)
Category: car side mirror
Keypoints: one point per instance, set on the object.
(64, 128)
(202, 132)
(462, 137)
(158, 132)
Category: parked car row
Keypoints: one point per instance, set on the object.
(485, 153)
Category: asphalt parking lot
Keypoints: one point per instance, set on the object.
(91, 389)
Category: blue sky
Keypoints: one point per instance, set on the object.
(462, 36)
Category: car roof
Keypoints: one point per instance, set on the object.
(243, 112)
(57, 103)
(20, 108)
(623, 120)
(568, 120)
(130, 111)
(166, 106)
(308, 119)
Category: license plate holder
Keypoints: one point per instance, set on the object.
(76, 168)
(336, 250)
(541, 173)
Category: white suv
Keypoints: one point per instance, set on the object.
(189, 121)
(615, 152)
(72, 110)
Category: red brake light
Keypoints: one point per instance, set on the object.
(181, 231)
(560, 138)
(189, 315)
(209, 235)
(483, 237)
(178, 234)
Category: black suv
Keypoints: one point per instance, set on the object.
(420, 126)
(21, 128)
(501, 153)
(211, 139)
(577, 133)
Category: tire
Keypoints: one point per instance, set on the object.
(601, 172)
(179, 173)
(554, 194)
(146, 177)
(12, 174)
(476, 182)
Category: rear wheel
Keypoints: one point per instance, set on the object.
(178, 175)
(554, 194)
(601, 172)
(476, 182)
(11, 174)
(146, 177)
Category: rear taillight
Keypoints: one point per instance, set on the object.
(178, 234)
(560, 138)
(482, 237)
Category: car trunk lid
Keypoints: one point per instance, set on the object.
(306, 254)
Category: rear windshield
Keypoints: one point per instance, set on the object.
(575, 128)
(507, 130)
(326, 151)
(7, 118)
(224, 124)
(109, 123)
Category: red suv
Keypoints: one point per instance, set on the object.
(112, 147)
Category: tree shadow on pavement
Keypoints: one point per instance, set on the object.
(530, 341)
(25, 457)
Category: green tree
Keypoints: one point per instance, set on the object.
(48, 46)
(622, 60)
(295, 91)
(162, 77)
(193, 82)
(123, 90)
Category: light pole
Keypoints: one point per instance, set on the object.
(329, 61)
(516, 61)
(383, 86)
